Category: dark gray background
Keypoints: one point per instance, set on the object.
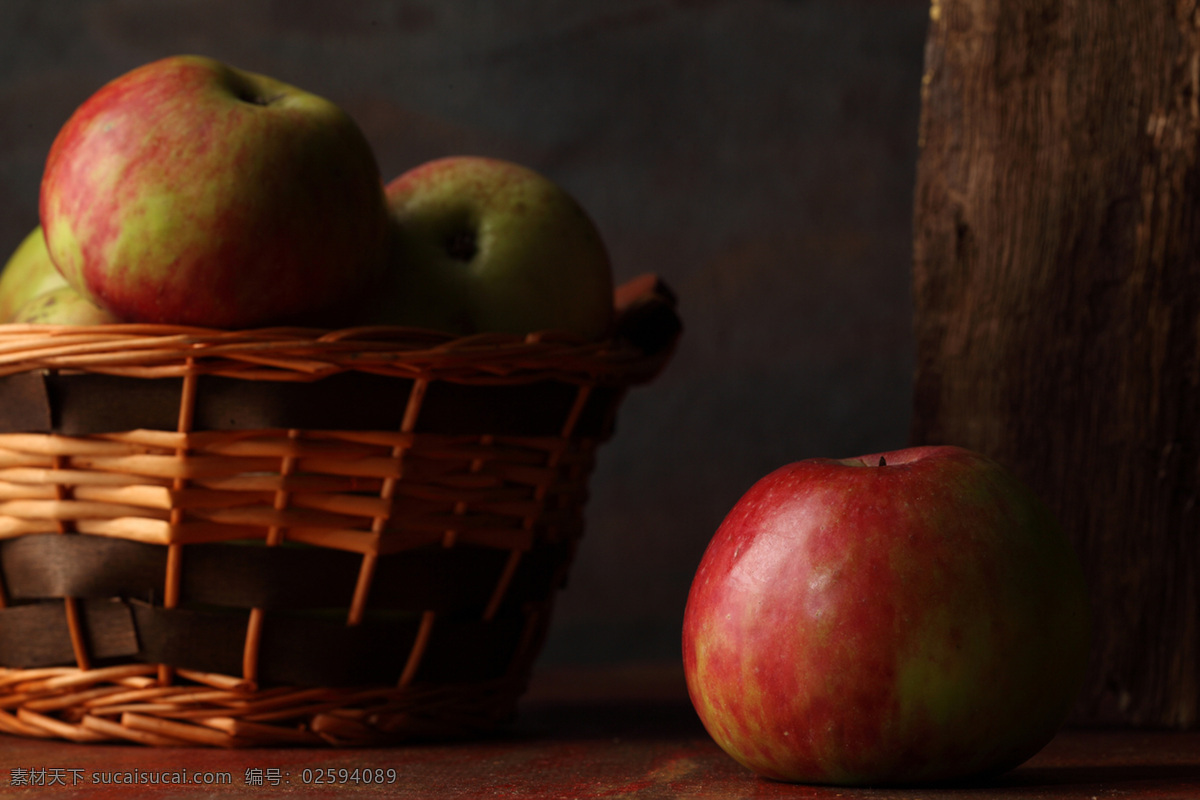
(759, 154)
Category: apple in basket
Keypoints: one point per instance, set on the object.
(63, 306)
(27, 273)
(912, 617)
(32, 290)
(190, 192)
(482, 244)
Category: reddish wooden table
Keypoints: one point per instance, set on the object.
(621, 732)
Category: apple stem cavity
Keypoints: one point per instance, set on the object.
(462, 245)
(256, 99)
(882, 461)
(246, 91)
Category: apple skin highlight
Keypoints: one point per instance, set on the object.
(855, 624)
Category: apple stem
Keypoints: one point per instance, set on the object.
(882, 461)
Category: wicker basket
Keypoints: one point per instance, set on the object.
(288, 536)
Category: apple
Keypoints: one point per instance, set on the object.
(28, 273)
(485, 245)
(33, 291)
(63, 306)
(908, 617)
(190, 192)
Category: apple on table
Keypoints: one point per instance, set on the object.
(187, 191)
(483, 244)
(910, 617)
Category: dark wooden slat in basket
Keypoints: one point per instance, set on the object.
(36, 635)
(41, 566)
(25, 403)
(445, 580)
(301, 650)
(79, 404)
(296, 649)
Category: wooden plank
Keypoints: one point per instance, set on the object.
(1056, 291)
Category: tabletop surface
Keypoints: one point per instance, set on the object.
(625, 731)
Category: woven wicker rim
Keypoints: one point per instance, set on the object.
(298, 354)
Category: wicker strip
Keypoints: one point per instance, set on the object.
(10, 723)
(119, 731)
(54, 727)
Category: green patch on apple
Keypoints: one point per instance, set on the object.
(63, 306)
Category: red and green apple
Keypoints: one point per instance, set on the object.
(906, 617)
(190, 192)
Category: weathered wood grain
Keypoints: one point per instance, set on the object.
(1057, 301)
